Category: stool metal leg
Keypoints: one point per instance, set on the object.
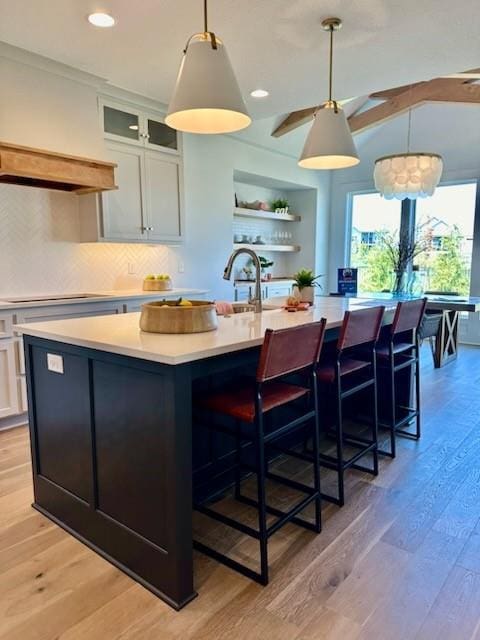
(375, 415)
(417, 389)
(339, 432)
(316, 454)
(393, 416)
(261, 479)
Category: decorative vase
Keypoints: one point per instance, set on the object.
(304, 294)
(400, 283)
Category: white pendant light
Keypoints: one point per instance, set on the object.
(329, 144)
(206, 98)
(408, 175)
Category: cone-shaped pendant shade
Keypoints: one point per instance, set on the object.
(207, 97)
(329, 144)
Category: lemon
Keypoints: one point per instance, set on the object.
(185, 303)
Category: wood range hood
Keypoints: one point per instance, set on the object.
(52, 170)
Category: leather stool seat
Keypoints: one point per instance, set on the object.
(383, 350)
(239, 402)
(326, 371)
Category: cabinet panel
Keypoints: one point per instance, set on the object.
(122, 209)
(6, 323)
(62, 421)
(121, 123)
(162, 195)
(160, 135)
(8, 380)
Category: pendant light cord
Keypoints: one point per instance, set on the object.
(205, 16)
(409, 129)
(330, 73)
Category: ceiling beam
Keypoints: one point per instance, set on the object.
(457, 89)
(466, 93)
(294, 120)
(392, 93)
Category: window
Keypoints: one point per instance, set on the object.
(443, 224)
(446, 220)
(372, 219)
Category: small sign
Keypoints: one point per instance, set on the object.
(54, 363)
(347, 281)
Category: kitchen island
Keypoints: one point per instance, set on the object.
(110, 411)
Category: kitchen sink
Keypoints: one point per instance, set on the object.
(242, 307)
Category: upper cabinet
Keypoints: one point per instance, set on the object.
(125, 124)
(148, 204)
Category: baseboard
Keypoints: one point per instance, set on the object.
(14, 421)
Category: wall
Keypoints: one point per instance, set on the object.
(451, 130)
(209, 166)
(42, 107)
(40, 250)
(50, 106)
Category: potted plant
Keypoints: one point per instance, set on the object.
(264, 266)
(280, 205)
(304, 286)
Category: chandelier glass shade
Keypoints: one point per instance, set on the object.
(408, 175)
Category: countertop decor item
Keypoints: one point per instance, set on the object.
(180, 316)
(408, 175)
(206, 98)
(329, 144)
(161, 282)
(280, 205)
(305, 283)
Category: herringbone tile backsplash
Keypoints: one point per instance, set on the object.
(40, 250)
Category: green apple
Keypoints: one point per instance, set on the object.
(150, 277)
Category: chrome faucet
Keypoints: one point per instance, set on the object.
(257, 299)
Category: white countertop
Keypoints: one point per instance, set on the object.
(121, 334)
(54, 299)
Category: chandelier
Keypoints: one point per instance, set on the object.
(408, 175)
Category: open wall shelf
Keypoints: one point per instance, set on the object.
(291, 248)
(265, 215)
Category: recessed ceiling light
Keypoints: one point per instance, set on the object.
(259, 93)
(101, 20)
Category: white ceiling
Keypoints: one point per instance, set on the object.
(275, 44)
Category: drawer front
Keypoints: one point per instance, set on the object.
(278, 291)
(6, 325)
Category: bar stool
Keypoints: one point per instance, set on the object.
(401, 349)
(351, 369)
(284, 352)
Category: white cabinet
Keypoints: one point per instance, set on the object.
(8, 380)
(163, 197)
(122, 209)
(146, 207)
(123, 122)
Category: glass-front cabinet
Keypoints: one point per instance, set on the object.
(123, 123)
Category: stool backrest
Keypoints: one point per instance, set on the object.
(360, 327)
(289, 350)
(408, 315)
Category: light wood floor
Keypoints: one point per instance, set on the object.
(401, 560)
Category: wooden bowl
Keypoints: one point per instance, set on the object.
(166, 317)
(157, 285)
